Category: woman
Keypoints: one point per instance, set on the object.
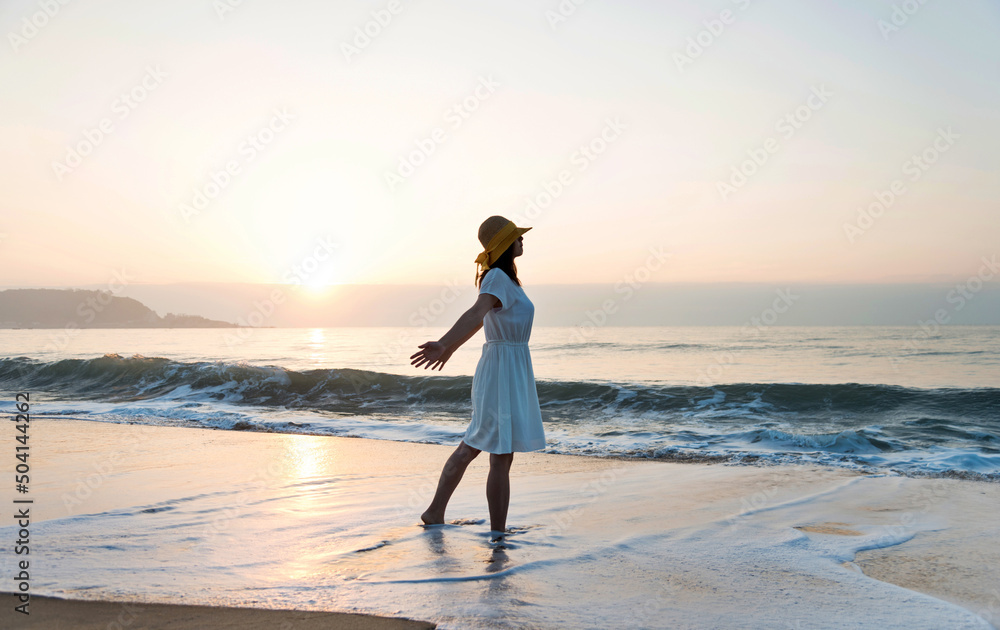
(506, 417)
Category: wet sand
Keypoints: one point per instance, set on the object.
(277, 521)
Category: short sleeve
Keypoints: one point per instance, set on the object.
(496, 285)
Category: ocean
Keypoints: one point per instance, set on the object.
(900, 400)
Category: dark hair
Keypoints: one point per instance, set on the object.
(504, 262)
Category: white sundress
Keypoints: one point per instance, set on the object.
(506, 417)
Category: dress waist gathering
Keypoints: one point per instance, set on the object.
(506, 414)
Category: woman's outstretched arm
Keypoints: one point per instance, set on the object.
(436, 353)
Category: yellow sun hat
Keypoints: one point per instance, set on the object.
(496, 234)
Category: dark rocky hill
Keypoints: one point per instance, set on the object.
(80, 308)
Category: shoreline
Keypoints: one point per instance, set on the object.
(336, 520)
(741, 459)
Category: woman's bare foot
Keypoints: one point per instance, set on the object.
(432, 518)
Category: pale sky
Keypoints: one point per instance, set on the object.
(331, 123)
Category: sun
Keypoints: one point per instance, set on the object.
(318, 288)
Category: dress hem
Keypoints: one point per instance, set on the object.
(524, 448)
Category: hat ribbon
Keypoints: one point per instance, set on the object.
(499, 243)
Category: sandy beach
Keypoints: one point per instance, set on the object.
(52, 613)
(273, 273)
(133, 513)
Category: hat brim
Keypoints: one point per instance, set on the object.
(503, 246)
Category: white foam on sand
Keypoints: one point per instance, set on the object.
(278, 521)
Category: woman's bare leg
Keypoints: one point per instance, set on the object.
(498, 490)
(452, 473)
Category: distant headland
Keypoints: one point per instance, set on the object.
(82, 308)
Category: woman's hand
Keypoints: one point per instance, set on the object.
(434, 354)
